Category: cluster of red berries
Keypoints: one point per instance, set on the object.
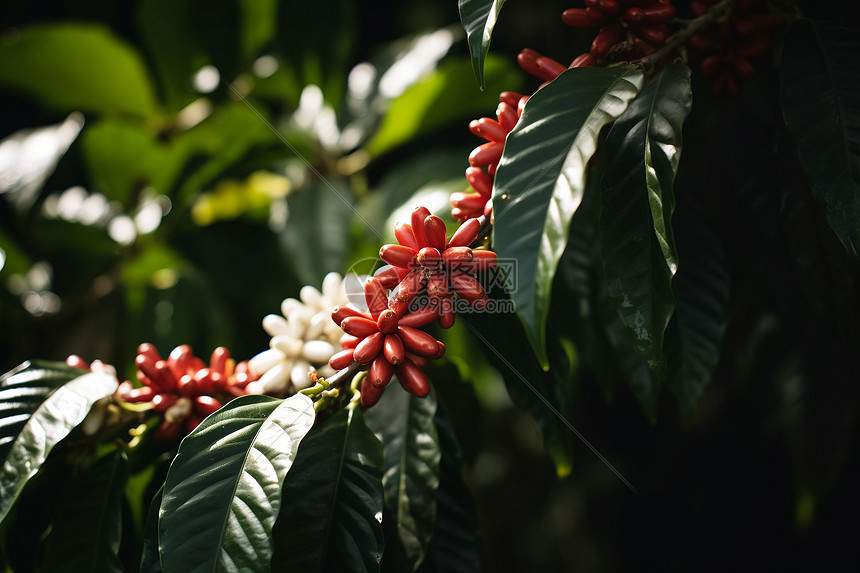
(387, 337)
(630, 29)
(470, 205)
(730, 50)
(183, 388)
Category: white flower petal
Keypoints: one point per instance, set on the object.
(265, 360)
(299, 374)
(275, 324)
(288, 345)
(276, 380)
(310, 296)
(318, 351)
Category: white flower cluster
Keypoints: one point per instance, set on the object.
(303, 339)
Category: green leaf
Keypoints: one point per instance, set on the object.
(40, 403)
(150, 561)
(259, 24)
(405, 425)
(223, 490)
(77, 67)
(821, 79)
(316, 238)
(695, 334)
(439, 100)
(642, 151)
(455, 546)
(85, 535)
(529, 386)
(316, 42)
(332, 513)
(586, 314)
(123, 158)
(541, 179)
(479, 18)
(222, 139)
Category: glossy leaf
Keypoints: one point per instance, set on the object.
(439, 100)
(223, 490)
(479, 18)
(85, 535)
(821, 79)
(333, 500)
(77, 67)
(586, 313)
(541, 179)
(642, 151)
(405, 425)
(40, 403)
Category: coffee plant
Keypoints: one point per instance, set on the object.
(610, 324)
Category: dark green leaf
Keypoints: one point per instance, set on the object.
(182, 37)
(223, 489)
(315, 41)
(529, 386)
(77, 67)
(642, 151)
(316, 238)
(85, 535)
(40, 403)
(701, 287)
(150, 561)
(479, 18)
(821, 79)
(455, 546)
(541, 178)
(333, 500)
(258, 26)
(586, 313)
(404, 424)
(441, 99)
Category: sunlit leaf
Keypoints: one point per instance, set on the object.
(40, 403)
(333, 500)
(405, 425)
(541, 178)
(223, 489)
(821, 79)
(641, 155)
(77, 67)
(85, 535)
(479, 18)
(441, 99)
(29, 156)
